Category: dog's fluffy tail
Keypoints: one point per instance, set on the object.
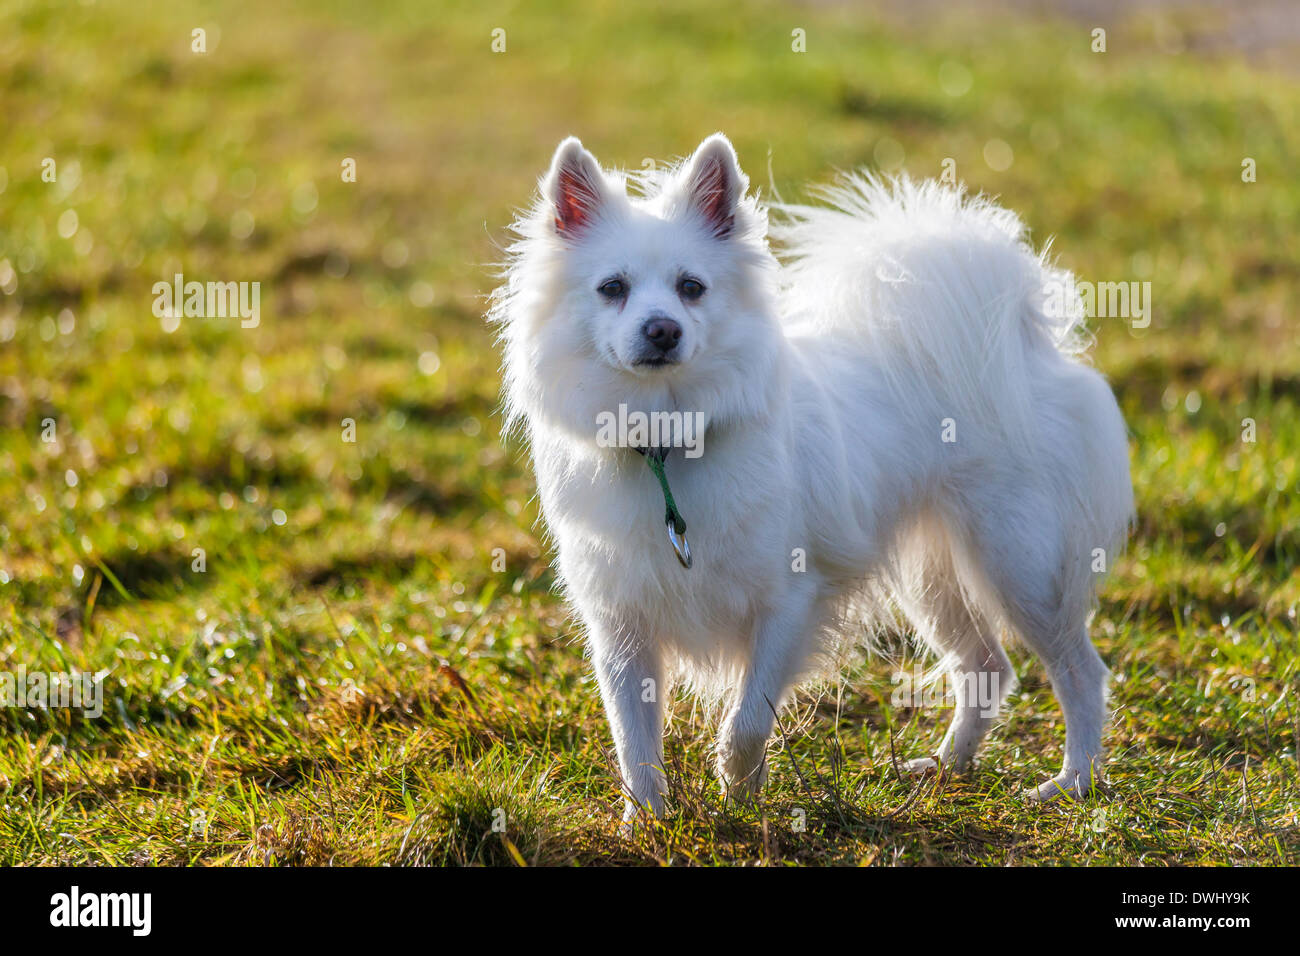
(934, 283)
(947, 301)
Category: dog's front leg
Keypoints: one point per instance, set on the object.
(630, 673)
(783, 640)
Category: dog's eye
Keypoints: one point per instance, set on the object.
(689, 288)
(613, 289)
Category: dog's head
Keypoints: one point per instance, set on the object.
(654, 300)
(650, 280)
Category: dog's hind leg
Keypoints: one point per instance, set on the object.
(970, 655)
(1039, 571)
(1078, 678)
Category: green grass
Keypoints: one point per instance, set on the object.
(349, 681)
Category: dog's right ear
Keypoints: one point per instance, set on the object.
(575, 187)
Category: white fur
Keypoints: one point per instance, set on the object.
(826, 382)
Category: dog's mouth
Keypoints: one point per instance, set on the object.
(656, 361)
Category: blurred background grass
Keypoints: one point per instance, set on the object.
(349, 680)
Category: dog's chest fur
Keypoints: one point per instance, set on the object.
(615, 559)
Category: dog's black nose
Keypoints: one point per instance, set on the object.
(664, 333)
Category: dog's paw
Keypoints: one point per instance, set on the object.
(650, 808)
(1072, 786)
(938, 765)
(744, 789)
(922, 767)
(637, 817)
(742, 766)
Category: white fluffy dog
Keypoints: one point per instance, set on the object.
(893, 416)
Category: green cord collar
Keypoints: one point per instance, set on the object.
(672, 517)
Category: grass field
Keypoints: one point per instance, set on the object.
(348, 680)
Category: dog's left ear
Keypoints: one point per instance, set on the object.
(714, 184)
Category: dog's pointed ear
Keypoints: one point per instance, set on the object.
(715, 184)
(575, 187)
